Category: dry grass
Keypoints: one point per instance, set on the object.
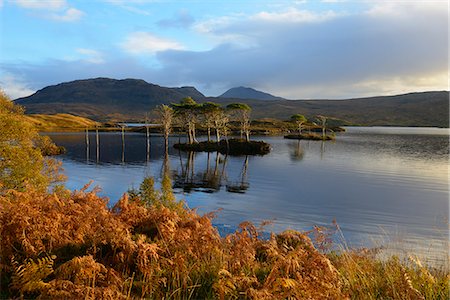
(69, 245)
(60, 122)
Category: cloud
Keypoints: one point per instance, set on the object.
(294, 16)
(70, 15)
(181, 20)
(298, 54)
(248, 30)
(147, 43)
(57, 10)
(13, 86)
(40, 4)
(91, 55)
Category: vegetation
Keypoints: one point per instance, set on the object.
(299, 120)
(241, 113)
(60, 122)
(165, 118)
(187, 112)
(212, 116)
(22, 164)
(323, 121)
(70, 245)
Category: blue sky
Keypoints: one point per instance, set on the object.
(295, 49)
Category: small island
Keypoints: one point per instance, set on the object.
(216, 118)
(310, 136)
(301, 122)
(232, 147)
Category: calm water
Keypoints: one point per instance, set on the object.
(384, 186)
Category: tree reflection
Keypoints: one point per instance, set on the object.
(297, 151)
(208, 181)
(242, 185)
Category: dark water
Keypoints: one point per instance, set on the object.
(384, 186)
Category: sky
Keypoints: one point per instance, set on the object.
(294, 49)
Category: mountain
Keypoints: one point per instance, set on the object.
(248, 93)
(412, 109)
(103, 99)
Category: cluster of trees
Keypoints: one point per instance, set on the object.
(189, 114)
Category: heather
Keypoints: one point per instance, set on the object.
(65, 245)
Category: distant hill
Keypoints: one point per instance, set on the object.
(103, 99)
(413, 109)
(248, 93)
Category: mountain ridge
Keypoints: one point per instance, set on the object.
(105, 99)
(243, 92)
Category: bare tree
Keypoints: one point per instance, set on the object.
(299, 121)
(165, 114)
(210, 111)
(323, 121)
(187, 110)
(241, 112)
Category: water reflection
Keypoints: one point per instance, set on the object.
(296, 151)
(208, 180)
(242, 185)
(212, 177)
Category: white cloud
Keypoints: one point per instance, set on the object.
(13, 86)
(56, 10)
(41, 4)
(147, 43)
(247, 30)
(91, 55)
(294, 15)
(70, 15)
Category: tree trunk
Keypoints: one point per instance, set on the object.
(217, 135)
(166, 141)
(190, 135)
(209, 134)
(247, 135)
(226, 140)
(194, 139)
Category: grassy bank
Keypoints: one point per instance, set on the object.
(69, 245)
(60, 122)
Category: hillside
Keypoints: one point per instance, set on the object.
(413, 109)
(248, 93)
(59, 122)
(105, 99)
